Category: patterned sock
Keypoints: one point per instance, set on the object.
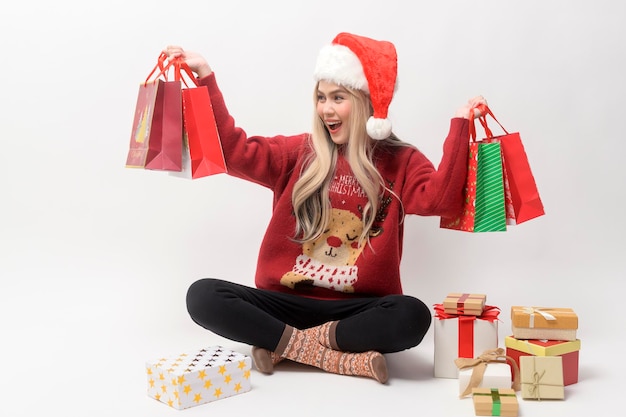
(303, 346)
(264, 360)
(327, 335)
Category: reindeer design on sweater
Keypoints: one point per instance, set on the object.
(330, 261)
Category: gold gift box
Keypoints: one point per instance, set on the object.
(464, 304)
(544, 323)
(542, 377)
(495, 402)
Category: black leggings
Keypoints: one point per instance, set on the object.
(258, 317)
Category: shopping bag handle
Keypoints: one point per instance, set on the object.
(159, 65)
(179, 67)
(484, 111)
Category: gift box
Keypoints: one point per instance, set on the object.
(497, 375)
(457, 336)
(198, 377)
(495, 402)
(492, 369)
(568, 351)
(542, 377)
(464, 304)
(544, 323)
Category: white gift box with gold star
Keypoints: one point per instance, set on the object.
(198, 377)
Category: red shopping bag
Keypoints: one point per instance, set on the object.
(202, 152)
(205, 149)
(523, 199)
(465, 220)
(156, 138)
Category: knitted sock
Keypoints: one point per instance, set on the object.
(303, 346)
(328, 335)
(264, 360)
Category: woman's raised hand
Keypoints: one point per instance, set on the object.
(194, 60)
(477, 103)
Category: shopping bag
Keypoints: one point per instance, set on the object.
(164, 150)
(490, 210)
(206, 156)
(157, 131)
(142, 125)
(201, 148)
(484, 204)
(523, 199)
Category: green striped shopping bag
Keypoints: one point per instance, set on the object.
(483, 209)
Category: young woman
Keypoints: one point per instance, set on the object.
(328, 291)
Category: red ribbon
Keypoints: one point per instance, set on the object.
(466, 337)
(461, 301)
(460, 304)
(466, 327)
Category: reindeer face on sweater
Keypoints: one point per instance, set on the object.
(339, 244)
(329, 261)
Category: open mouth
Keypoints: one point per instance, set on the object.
(333, 126)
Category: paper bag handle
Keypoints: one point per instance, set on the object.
(484, 111)
(178, 64)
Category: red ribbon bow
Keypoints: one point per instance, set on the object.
(466, 326)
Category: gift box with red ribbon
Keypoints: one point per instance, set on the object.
(464, 304)
(460, 336)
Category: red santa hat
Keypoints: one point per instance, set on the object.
(365, 64)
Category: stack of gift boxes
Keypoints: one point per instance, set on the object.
(540, 359)
(545, 345)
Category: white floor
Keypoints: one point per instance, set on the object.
(74, 350)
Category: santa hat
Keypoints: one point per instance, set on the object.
(365, 64)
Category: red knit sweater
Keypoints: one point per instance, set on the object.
(335, 266)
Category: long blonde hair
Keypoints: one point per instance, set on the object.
(310, 197)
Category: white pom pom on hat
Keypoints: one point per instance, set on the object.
(365, 64)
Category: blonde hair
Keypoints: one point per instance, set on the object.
(310, 197)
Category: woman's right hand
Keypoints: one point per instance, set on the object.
(195, 61)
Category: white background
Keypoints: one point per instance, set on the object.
(95, 258)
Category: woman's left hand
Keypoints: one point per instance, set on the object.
(474, 103)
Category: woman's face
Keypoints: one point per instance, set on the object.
(334, 107)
